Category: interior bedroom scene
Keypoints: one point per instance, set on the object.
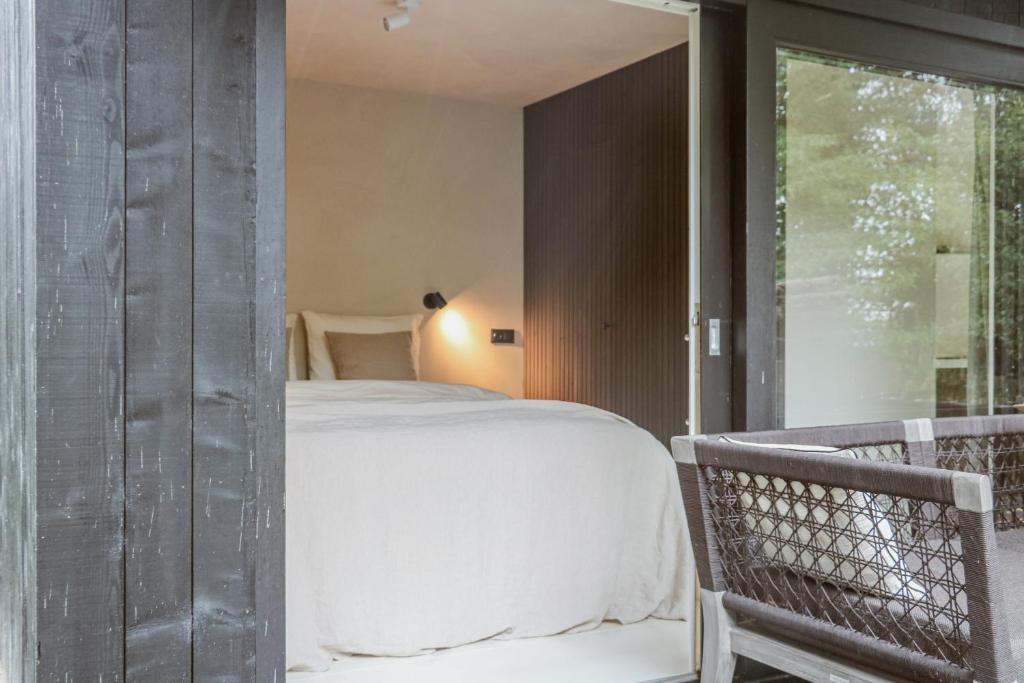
(487, 339)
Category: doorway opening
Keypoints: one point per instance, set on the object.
(491, 300)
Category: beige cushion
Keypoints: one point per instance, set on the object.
(372, 356)
(321, 365)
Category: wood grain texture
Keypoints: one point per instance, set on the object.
(606, 244)
(226, 379)
(721, 204)
(158, 410)
(80, 339)
(269, 341)
(17, 342)
(1001, 11)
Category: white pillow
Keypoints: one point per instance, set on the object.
(319, 324)
(290, 320)
(803, 538)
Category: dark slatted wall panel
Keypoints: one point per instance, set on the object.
(17, 342)
(606, 244)
(158, 408)
(80, 348)
(1003, 11)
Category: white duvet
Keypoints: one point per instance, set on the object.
(425, 516)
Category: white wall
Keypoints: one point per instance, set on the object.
(391, 196)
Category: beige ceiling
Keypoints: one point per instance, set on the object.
(502, 51)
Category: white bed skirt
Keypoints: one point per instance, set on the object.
(644, 652)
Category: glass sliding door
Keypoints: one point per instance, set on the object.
(899, 244)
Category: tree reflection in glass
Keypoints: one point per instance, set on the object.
(900, 243)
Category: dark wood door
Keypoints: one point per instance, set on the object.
(606, 244)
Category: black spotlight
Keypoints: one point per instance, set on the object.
(434, 300)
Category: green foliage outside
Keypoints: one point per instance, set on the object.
(880, 173)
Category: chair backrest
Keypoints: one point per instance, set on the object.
(861, 542)
(993, 446)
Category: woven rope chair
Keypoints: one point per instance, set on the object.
(862, 553)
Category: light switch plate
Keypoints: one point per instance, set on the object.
(503, 336)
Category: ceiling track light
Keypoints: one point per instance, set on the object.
(397, 21)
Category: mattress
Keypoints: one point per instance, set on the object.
(427, 516)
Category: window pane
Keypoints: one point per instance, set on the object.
(900, 243)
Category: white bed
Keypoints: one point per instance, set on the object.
(649, 651)
(427, 516)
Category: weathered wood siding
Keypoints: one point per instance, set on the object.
(224, 439)
(17, 341)
(238, 443)
(80, 486)
(1003, 11)
(269, 305)
(142, 245)
(158, 361)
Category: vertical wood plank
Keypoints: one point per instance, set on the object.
(80, 343)
(1002, 11)
(270, 352)
(1006, 11)
(979, 8)
(158, 422)
(721, 205)
(606, 244)
(226, 388)
(949, 5)
(17, 341)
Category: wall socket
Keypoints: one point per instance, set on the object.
(503, 336)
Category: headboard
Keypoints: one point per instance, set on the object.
(298, 365)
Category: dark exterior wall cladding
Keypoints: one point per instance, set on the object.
(1003, 11)
(17, 343)
(141, 414)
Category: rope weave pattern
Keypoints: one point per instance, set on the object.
(895, 453)
(889, 568)
(1001, 457)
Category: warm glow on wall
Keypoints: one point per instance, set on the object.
(454, 327)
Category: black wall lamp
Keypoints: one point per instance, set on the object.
(434, 300)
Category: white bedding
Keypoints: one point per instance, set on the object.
(424, 516)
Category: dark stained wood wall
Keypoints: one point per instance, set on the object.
(80, 297)
(1002, 11)
(606, 244)
(238, 434)
(224, 435)
(17, 343)
(158, 332)
(147, 259)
